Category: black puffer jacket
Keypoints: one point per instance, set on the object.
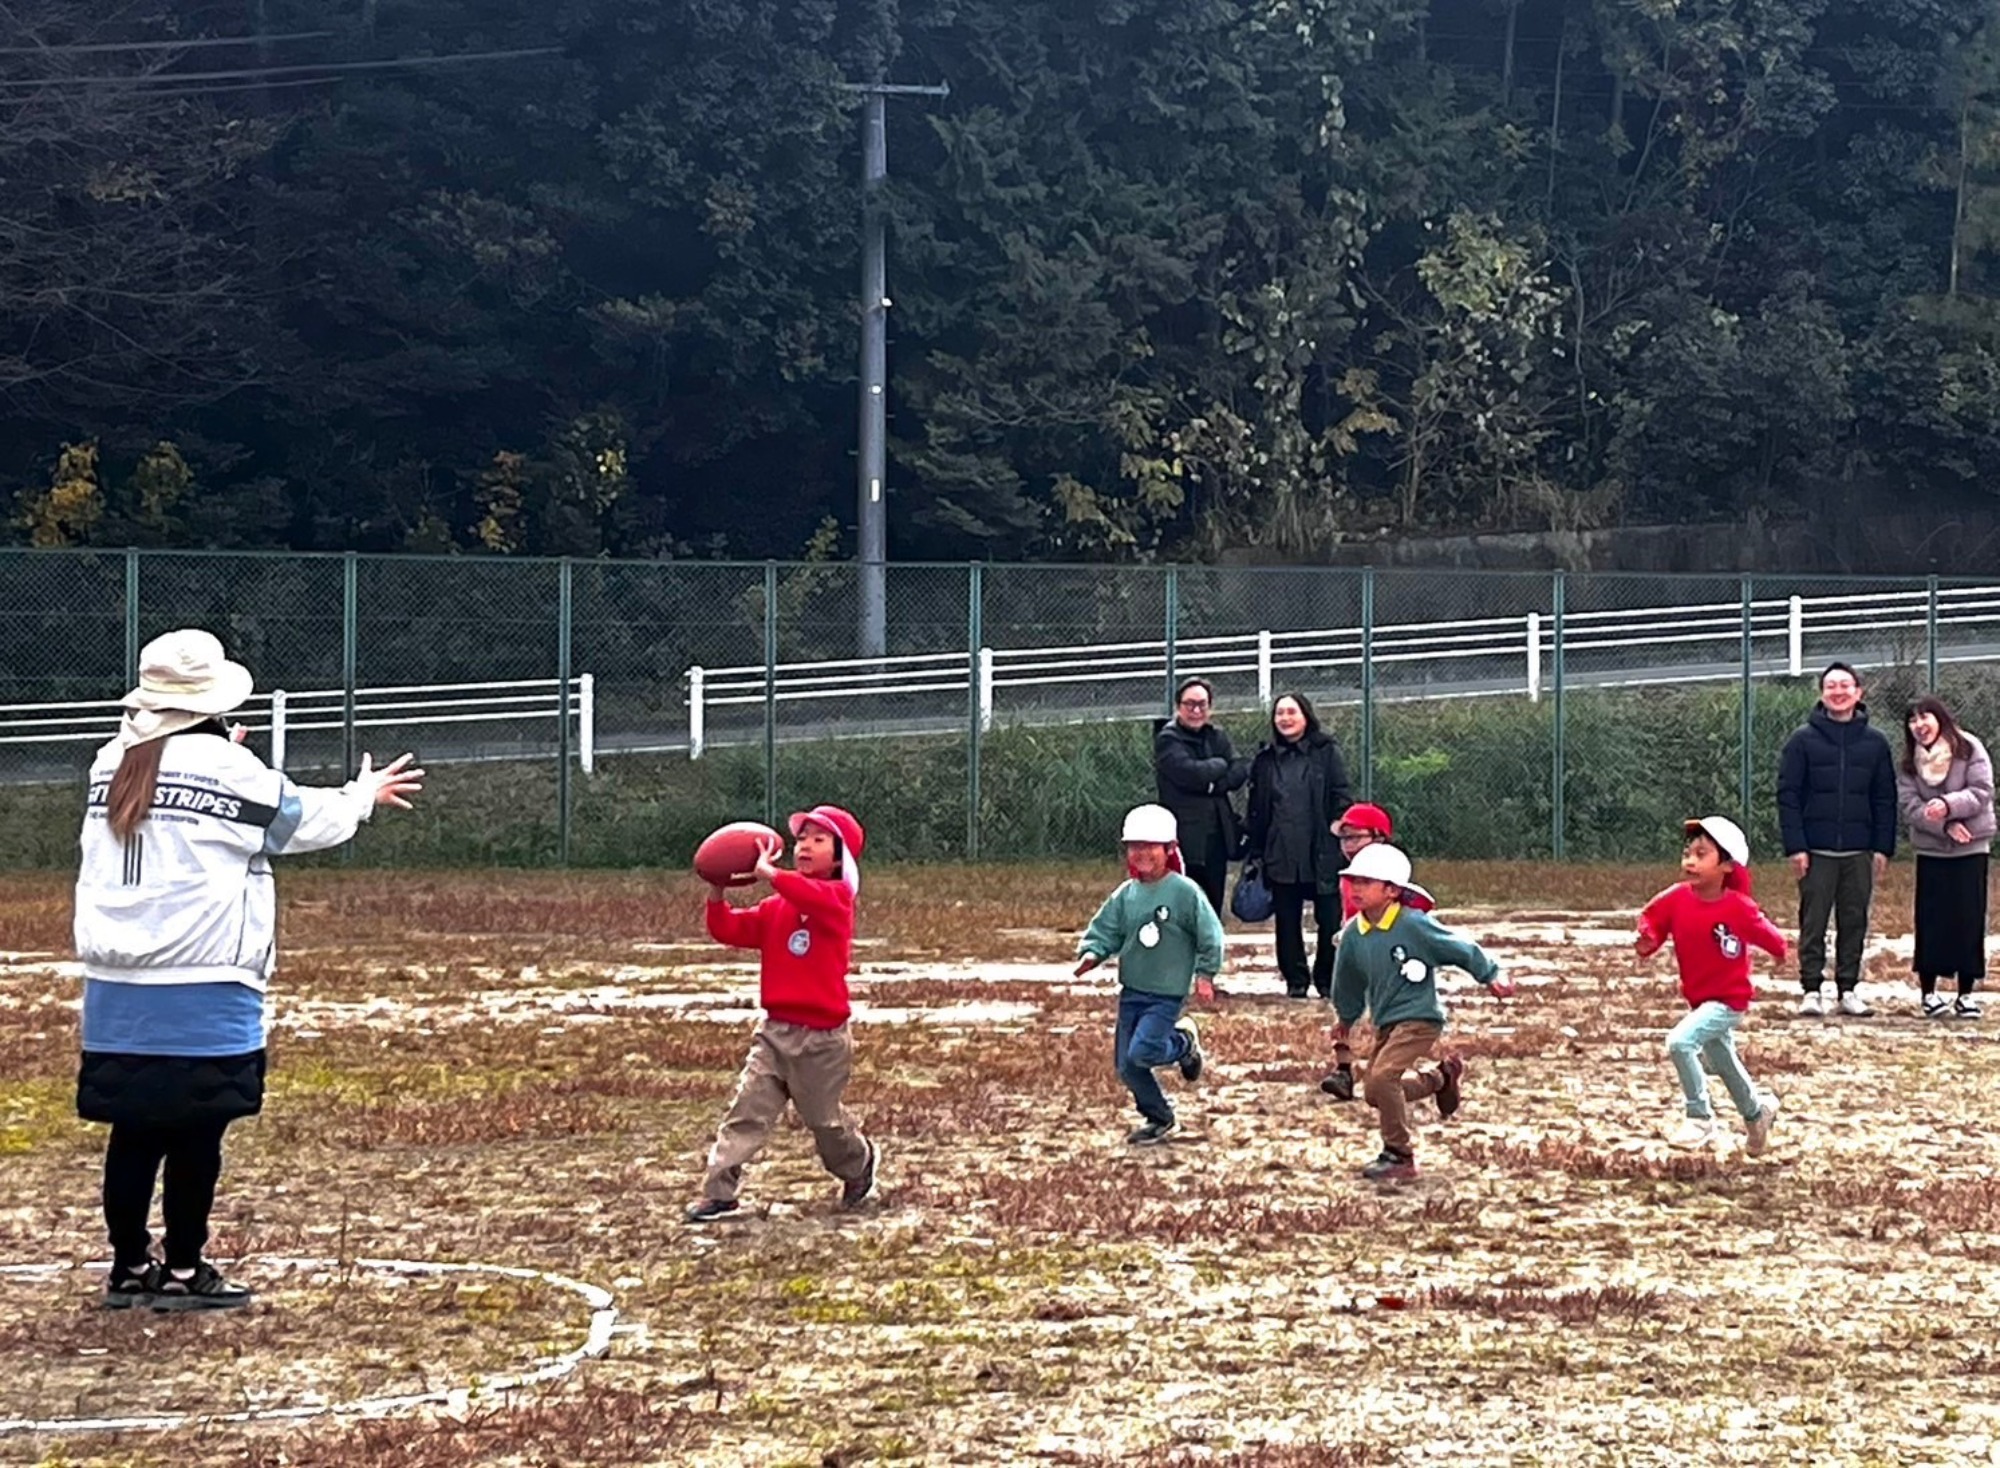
(1195, 770)
(1837, 786)
(168, 1091)
(1297, 791)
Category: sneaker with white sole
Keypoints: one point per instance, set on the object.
(1758, 1128)
(199, 1288)
(1965, 1007)
(1191, 1062)
(1811, 1003)
(1852, 1003)
(1936, 1006)
(1153, 1133)
(1694, 1133)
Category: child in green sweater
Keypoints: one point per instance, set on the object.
(1167, 939)
(1387, 963)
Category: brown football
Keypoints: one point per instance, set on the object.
(727, 857)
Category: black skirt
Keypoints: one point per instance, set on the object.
(166, 1092)
(1951, 917)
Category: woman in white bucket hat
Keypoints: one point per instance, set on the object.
(176, 921)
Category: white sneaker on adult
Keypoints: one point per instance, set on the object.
(1965, 1007)
(1694, 1133)
(1936, 1006)
(1851, 1002)
(1811, 1003)
(1758, 1128)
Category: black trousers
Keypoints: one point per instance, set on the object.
(1212, 880)
(1951, 920)
(133, 1159)
(1290, 899)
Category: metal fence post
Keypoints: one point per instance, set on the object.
(277, 728)
(1264, 667)
(976, 714)
(771, 693)
(1556, 817)
(131, 617)
(1534, 657)
(697, 712)
(1747, 720)
(586, 722)
(350, 655)
(1367, 682)
(565, 630)
(1173, 628)
(1795, 636)
(1931, 633)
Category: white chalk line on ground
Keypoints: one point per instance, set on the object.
(603, 1325)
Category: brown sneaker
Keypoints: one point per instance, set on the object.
(1450, 1069)
(854, 1192)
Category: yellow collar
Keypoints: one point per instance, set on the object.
(1389, 916)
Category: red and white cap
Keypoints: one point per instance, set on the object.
(843, 825)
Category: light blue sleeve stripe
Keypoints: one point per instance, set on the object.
(290, 810)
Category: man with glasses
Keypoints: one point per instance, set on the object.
(1196, 768)
(1837, 812)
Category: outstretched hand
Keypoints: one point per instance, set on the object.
(1502, 988)
(393, 784)
(767, 858)
(1085, 964)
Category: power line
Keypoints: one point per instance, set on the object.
(165, 78)
(200, 44)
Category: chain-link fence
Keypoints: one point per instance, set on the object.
(611, 713)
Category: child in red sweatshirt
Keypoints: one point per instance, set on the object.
(1713, 922)
(803, 1051)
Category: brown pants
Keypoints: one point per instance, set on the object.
(808, 1068)
(1394, 1081)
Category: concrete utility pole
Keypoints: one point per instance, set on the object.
(872, 548)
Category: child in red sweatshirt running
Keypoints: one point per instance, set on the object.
(1713, 923)
(803, 1051)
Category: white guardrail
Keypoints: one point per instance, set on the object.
(285, 712)
(1518, 644)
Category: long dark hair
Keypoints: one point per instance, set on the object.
(137, 779)
(1305, 707)
(1948, 730)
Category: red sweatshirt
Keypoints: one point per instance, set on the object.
(1712, 941)
(804, 932)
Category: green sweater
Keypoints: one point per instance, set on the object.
(1186, 935)
(1392, 969)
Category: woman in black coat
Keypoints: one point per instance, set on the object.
(1298, 789)
(1196, 768)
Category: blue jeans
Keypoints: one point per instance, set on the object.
(1147, 1038)
(1707, 1037)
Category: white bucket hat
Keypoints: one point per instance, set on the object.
(186, 672)
(1381, 862)
(1725, 833)
(1151, 823)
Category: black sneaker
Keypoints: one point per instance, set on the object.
(1296, 991)
(1391, 1167)
(1450, 1069)
(1191, 1062)
(200, 1288)
(1339, 1083)
(710, 1209)
(125, 1286)
(1153, 1133)
(854, 1191)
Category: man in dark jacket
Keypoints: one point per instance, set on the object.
(1196, 768)
(1837, 812)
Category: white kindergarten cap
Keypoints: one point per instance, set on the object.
(1151, 823)
(1725, 833)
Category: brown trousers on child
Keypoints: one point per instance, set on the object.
(808, 1068)
(1394, 1081)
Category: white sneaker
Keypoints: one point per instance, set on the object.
(1759, 1127)
(1693, 1133)
(1935, 1006)
(1965, 1007)
(1811, 1003)
(1851, 1002)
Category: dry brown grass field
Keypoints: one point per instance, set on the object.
(524, 1070)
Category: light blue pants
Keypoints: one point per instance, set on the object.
(1707, 1038)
